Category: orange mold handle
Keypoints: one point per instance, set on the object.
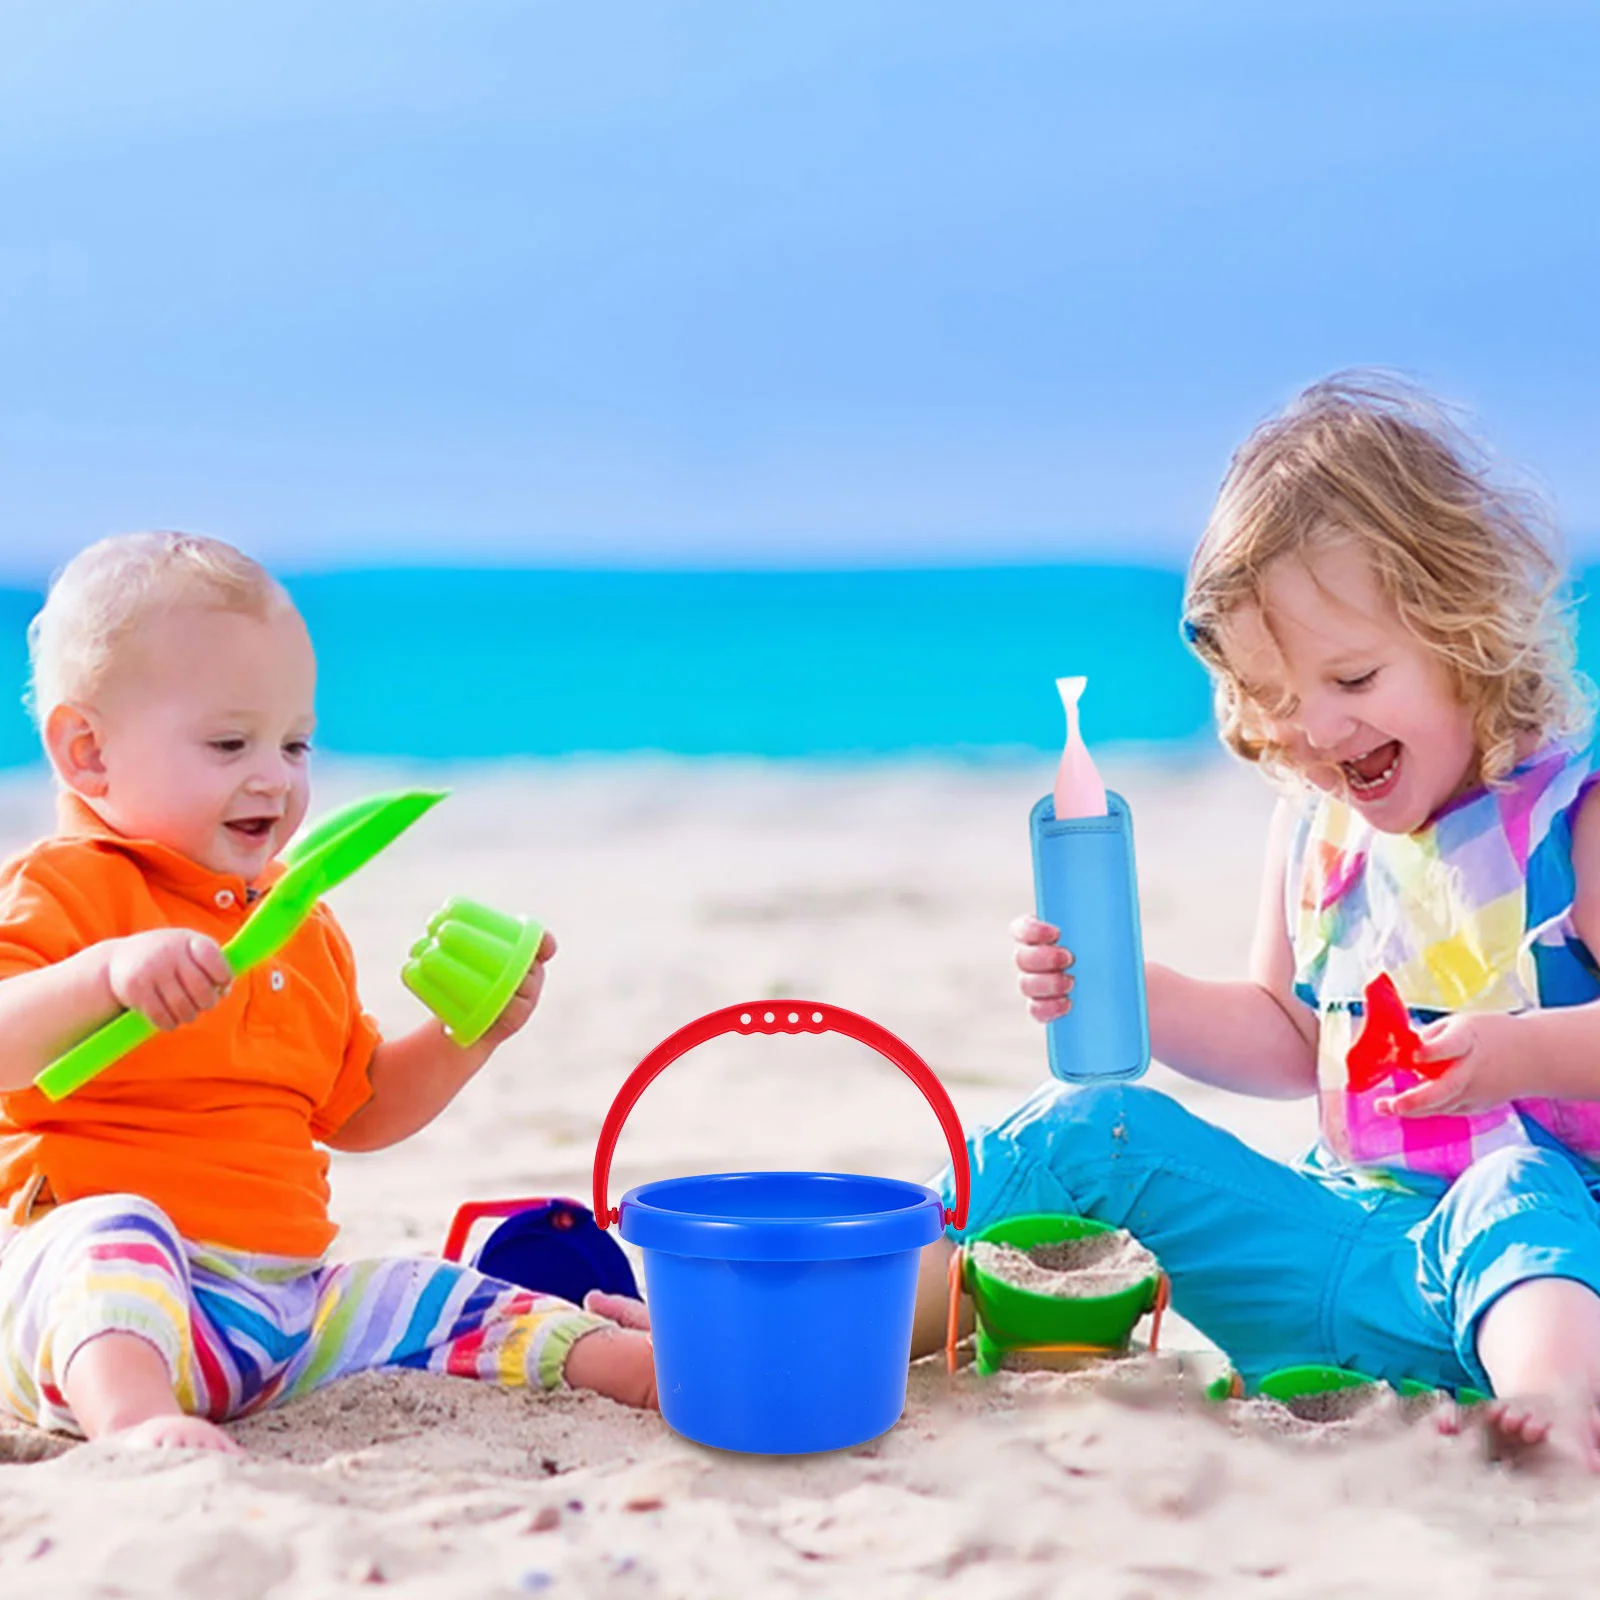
(952, 1327)
(781, 1016)
(1162, 1299)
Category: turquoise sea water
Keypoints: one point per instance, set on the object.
(474, 664)
(477, 663)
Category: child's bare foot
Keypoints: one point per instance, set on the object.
(119, 1388)
(176, 1433)
(1540, 1344)
(616, 1362)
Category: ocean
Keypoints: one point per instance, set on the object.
(960, 663)
(475, 664)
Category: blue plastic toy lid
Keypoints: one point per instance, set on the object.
(555, 1248)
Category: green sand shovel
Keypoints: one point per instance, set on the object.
(342, 842)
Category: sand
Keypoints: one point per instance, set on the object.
(673, 890)
(1074, 1269)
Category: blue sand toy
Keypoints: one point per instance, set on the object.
(1085, 883)
(551, 1246)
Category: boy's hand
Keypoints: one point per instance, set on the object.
(1041, 969)
(616, 1362)
(1480, 1060)
(622, 1309)
(169, 975)
(523, 998)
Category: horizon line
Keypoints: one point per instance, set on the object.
(37, 580)
(34, 583)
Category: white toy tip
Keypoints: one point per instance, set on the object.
(1070, 689)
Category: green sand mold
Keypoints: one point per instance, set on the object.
(468, 964)
(1304, 1382)
(341, 843)
(1013, 1318)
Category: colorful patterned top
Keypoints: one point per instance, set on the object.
(1473, 912)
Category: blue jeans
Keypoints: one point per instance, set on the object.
(1282, 1266)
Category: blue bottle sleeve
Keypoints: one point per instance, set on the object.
(1085, 883)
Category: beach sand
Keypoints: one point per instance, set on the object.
(675, 889)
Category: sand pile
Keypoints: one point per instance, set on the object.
(1071, 1269)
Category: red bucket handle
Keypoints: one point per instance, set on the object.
(781, 1016)
(473, 1211)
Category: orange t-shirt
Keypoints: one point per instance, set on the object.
(215, 1122)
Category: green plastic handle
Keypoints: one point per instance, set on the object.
(94, 1054)
(271, 926)
(326, 855)
(262, 936)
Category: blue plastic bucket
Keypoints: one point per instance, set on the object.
(781, 1303)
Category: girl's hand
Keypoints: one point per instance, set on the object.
(523, 998)
(1483, 1067)
(1041, 969)
(169, 975)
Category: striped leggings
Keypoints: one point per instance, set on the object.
(240, 1332)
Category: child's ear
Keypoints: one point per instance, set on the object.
(72, 741)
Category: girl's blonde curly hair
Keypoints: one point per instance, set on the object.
(1469, 563)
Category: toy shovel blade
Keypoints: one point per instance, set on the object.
(326, 855)
(330, 826)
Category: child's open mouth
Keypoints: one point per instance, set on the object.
(255, 828)
(1373, 775)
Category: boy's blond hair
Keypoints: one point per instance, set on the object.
(103, 595)
(1468, 562)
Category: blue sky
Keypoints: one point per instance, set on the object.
(732, 283)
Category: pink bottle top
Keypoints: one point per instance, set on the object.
(1079, 791)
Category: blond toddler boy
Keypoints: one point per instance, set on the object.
(163, 1254)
